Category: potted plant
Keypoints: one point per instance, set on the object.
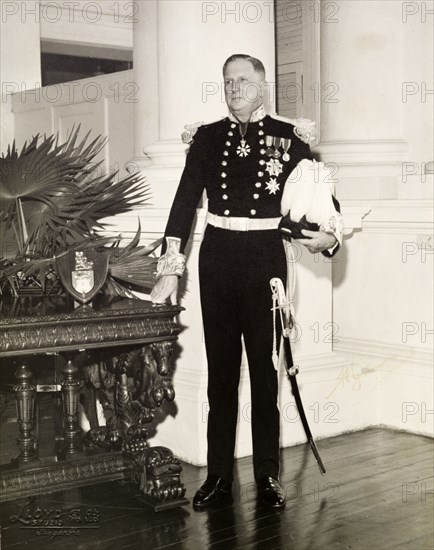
(53, 199)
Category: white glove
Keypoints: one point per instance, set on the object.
(166, 287)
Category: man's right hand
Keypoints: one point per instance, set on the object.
(166, 287)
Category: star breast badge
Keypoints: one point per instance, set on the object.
(274, 167)
(244, 149)
(272, 186)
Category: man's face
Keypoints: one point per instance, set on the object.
(243, 87)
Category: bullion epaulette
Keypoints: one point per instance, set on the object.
(304, 128)
(191, 129)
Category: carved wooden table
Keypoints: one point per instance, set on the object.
(116, 353)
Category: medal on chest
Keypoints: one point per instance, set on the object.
(276, 145)
(274, 167)
(243, 149)
(272, 186)
(286, 144)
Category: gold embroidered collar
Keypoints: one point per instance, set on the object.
(256, 116)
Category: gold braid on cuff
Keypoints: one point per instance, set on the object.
(335, 227)
(172, 262)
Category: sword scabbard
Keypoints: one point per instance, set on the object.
(292, 370)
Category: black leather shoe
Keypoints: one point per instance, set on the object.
(215, 489)
(270, 493)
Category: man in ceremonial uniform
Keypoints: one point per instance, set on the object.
(243, 162)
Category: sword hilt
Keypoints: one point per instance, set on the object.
(283, 304)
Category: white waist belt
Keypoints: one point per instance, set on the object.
(242, 224)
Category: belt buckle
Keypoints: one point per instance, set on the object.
(239, 224)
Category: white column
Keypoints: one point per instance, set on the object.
(145, 62)
(20, 57)
(361, 100)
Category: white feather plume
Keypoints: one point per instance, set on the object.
(308, 192)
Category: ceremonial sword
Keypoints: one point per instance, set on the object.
(292, 370)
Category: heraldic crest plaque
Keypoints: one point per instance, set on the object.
(83, 273)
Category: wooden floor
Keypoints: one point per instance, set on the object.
(377, 494)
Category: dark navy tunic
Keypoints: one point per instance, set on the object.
(236, 185)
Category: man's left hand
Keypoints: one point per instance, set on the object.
(319, 241)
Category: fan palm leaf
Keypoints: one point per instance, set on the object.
(53, 198)
(133, 264)
(32, 181)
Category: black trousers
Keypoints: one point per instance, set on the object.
(235, 268)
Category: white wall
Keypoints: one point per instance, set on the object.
(20, 58)
(378, 125)
(383, 303)
(417, 99)
(103, 105)
(383, 295)
(100, 23)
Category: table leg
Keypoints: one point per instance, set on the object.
(71, 396)
(25, 393)
(156, 468)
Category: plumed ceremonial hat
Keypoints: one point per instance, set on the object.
(307, 200)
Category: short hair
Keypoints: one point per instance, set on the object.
(257, 64)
